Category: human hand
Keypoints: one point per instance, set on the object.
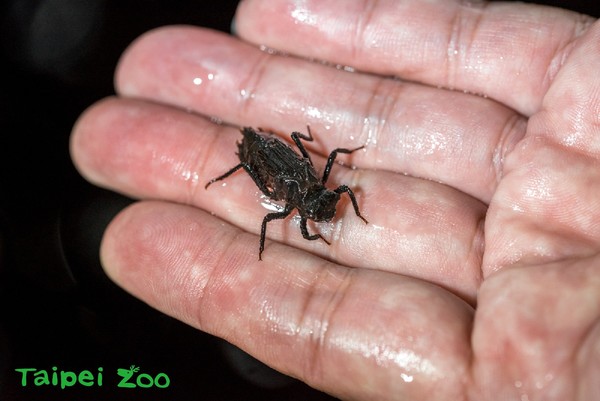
(477, 275)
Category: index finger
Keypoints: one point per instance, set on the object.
(507, 51)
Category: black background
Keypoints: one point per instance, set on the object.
(57, 308)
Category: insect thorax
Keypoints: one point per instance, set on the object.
(319, 204)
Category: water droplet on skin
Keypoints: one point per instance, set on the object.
(270, 205)
(406, 378)
(269, 50)
(190, 176)
(246, 94)
(342, 67)
(200, 80)
(303, 16)
(216, 120)
(314, 113)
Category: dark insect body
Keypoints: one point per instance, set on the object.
(284, 175)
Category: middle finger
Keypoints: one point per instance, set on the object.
(451, 137)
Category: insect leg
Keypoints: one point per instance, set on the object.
(306, 235)
(263, 227)
(331, 159)
(296, 136)
(261, 185)
(344, 188)
(227, 174)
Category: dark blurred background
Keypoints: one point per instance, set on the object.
(57, 308)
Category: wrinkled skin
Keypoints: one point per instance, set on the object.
(478, 275)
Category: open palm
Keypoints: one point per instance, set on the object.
(478, 275)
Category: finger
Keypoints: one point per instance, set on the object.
(353, 333)
(444, 136)
(504, 50)
(416, 227)
(547, 207)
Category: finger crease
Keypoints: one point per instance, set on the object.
(249, 86)
(319, 337)
(362, 23)
(198, 164)
(381, 108)
(458, 48)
